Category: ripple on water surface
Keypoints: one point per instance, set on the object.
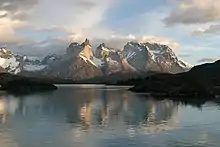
(80, 116)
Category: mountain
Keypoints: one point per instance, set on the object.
(110, 58)
(77, 64)
(201, 81)
(153, 57)
(17, 64)
(82, 61)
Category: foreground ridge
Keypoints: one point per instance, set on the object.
(201, 81)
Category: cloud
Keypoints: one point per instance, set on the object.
(3, 14)
(12, 18)
(207, 60)
(76, 15)
(185, 55)
(79, 19)
(212, 29)
(17, 9)
(48, 16)
(118, 41)
(13, 6)
(194, 12)
(161, 40)
(42, 48)
(8, 33)
(59, 45)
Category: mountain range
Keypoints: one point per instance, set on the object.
(83, 61)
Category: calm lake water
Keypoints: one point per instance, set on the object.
(94, 116)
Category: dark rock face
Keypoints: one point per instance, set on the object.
(201, 81)
(136, 55)
(2, 70)
(74, 49)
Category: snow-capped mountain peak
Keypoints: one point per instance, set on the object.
(135, 57)
(144, 56)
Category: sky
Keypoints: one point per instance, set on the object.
(38, 27)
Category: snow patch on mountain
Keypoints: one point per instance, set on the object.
(10, 64)
(8, 61)
(144, 56)
(29, 67)
(184, 64)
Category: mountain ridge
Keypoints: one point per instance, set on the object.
(82, 61)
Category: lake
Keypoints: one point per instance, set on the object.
(97, 116)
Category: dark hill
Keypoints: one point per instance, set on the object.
(201, 81)
(19, 84)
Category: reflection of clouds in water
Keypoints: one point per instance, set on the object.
(86, 114)
(96, 107)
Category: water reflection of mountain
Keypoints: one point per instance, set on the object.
(111, 109)
(91, 108)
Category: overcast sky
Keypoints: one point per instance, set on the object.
(37, 27)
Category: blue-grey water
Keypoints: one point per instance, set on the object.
(82, 116)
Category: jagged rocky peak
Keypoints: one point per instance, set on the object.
(111, 60)
(153, 56)
(74, 49)
(87, 53)
(87, 43)
(136, 55)
(77, 64)
(87, 50)
(83, 51)
(103, 47)
(159, 49)
(102, 51)
(163, 53)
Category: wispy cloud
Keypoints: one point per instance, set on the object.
(212, 29)
(43, 26)
(203, 60)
